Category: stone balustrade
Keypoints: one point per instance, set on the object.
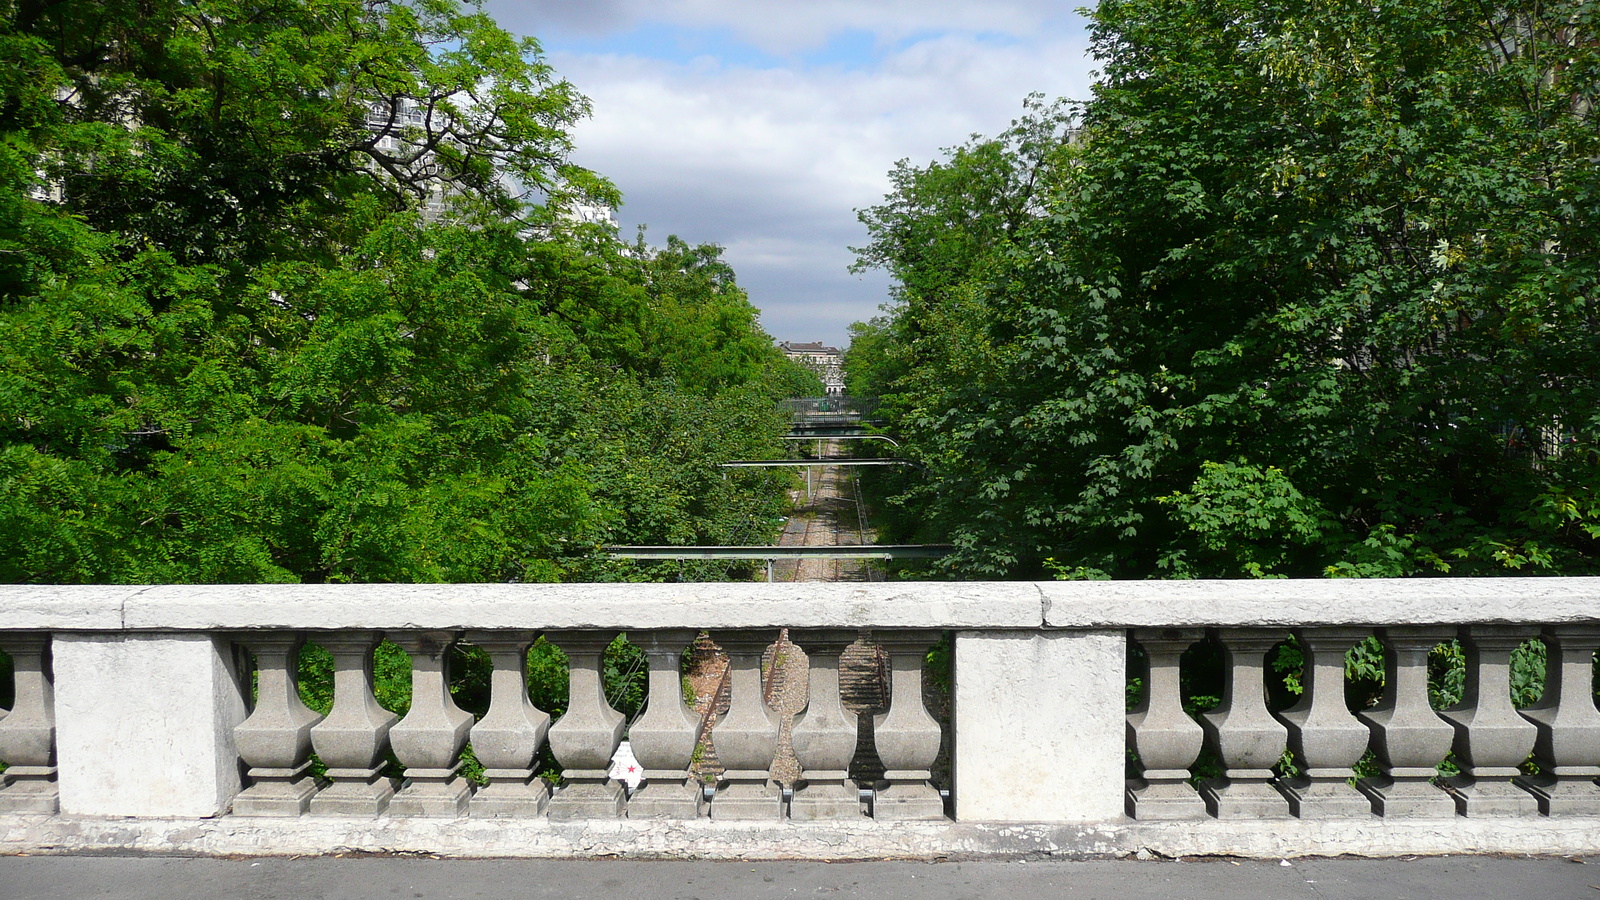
(169, 718)
(1488, 740)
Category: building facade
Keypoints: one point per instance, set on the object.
(827, 362)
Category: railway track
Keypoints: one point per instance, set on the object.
(832, 515)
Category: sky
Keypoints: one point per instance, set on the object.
(763, 126)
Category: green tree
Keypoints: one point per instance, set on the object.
(1312, 291)
(236, 344)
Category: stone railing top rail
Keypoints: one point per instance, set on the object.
(965, 605)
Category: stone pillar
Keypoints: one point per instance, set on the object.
(28, 731)
(1568, 745)
(1408, 736)
(747, 737)
(586, 737)
(1325, 736)
(907, 736)
(354, 738)
(1040, 729)
(664, 737)
(1247, 738)
(1164, 737)
(1491, 739)
(507, 739)
(824, 734)
(144, 724)
(275, 742)
(429, 739)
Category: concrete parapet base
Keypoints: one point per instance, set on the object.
(27, 790)
(1491, 797)
(277, 798)
(1244, 798)
(355, 795)
(860, 839)
(1563, 796)
(587, 801)
(908, 803)
(1325, 799)
(1410, 799)
(827, 802)
(1164, 801)
(666, 800)
(432, 797)
(510, 798)
(749, 801)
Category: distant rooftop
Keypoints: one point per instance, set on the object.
(807, 347)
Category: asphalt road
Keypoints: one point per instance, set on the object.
(160, 878)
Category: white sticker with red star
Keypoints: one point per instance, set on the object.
(625, 768)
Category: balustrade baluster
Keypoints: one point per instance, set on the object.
(907, 736)
(429, 739)
(586, 736)
(664, 737)
(275, 741)
(824, 734)
(354, 737)
(1163, 736)
(28, 731)
(747, 737)
(507, 739)
(1408, 737)
(1568, 746)
(1247, 738)
(1491, 739)
(1327, 739)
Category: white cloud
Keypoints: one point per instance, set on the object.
(773, 162)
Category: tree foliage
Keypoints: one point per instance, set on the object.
(234, 348)
(1304, 288)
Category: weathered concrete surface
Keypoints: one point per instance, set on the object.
(144, 724)
(495, 606)
(975, 605)
(1041, 726)
(1320, 601)
(1455, 878)
(63, 607)
(589, 606)
(866, 839)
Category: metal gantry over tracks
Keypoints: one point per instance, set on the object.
(814, 419)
